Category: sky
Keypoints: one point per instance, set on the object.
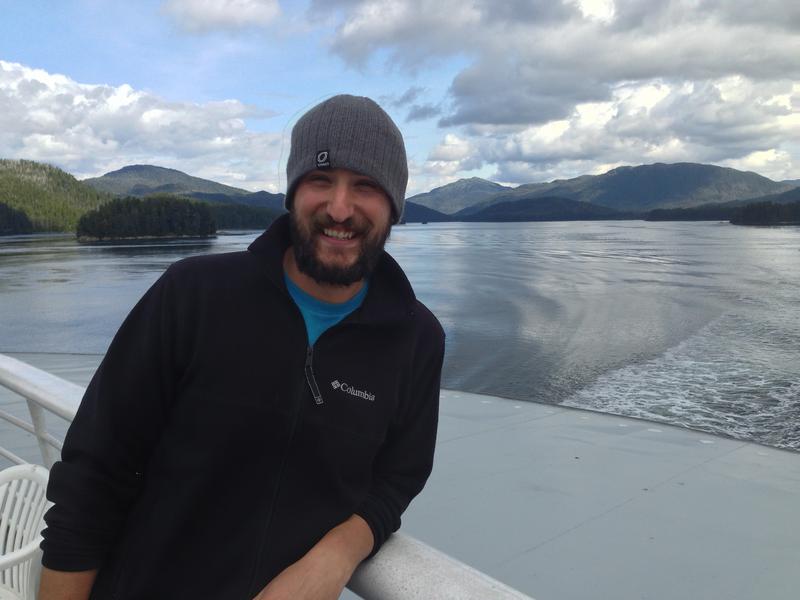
(513, 91)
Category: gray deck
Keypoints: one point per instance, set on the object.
(567, 504)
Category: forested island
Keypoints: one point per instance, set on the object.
(132, 218)
(768, 213)
(167, 216)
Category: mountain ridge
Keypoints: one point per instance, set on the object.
(629, 190)
(143, 180)
(457, 195)
(641, 188)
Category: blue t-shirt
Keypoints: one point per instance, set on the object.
(318, 315)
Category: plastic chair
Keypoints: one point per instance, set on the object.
(22, 506)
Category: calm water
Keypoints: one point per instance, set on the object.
(696, 324)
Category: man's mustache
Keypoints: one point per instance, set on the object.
(326, 221)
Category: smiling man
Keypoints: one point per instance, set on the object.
(262, 418)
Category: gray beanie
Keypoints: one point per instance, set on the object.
(350, 132)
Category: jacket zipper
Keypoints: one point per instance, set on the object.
(268, 524)
(309, 370)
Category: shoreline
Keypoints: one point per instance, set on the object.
(92, 239)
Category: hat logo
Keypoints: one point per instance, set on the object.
(323, 159)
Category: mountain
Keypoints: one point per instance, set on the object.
(52, 199)
(794, 182)
(142, 180)
(646, 187)
(416, 213)
(455, 196)
(548, 208)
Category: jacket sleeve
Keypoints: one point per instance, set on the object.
(114, 431)
(405, 460)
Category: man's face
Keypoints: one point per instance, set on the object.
(340, 221)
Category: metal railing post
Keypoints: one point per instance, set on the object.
(40, 427)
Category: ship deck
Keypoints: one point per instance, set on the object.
(565, 504)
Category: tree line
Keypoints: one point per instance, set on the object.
(164, 215)
(13, 221)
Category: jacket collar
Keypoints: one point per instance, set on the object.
(390, 296)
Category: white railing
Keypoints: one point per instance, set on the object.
(404, 569)
(43, 391)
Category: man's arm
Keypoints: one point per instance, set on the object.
(405, 459)
(325, 569)
(106, 448)
(64, 585)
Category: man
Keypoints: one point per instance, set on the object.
(262, 418)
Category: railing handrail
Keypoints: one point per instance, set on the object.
(59, 396)
(404, 569)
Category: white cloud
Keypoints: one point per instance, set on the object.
(602, 10)
(452, 148)
(655, 122)
(208, 15)
(453, 155)
(91, 129)
(775, 164)
(546, 87)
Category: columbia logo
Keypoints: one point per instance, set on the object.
(349, 389)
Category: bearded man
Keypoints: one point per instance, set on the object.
(262, 418)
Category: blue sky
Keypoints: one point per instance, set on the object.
(515, 91)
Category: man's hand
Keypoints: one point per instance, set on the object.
(60, 585)
(324, 571)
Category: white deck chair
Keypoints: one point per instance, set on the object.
(22, 505)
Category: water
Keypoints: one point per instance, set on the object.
(696, 324)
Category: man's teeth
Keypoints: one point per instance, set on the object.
(339, 235)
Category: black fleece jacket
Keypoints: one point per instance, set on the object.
(213, 447)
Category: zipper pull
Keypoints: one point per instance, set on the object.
(312, 383)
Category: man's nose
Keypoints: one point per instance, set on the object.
(340, 204)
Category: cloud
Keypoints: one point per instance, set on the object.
(414, 31)
(453, 154)
(422, 112)
(730, 121)
(91, 129)
(696, 80)
(201, 16)
(564, 49)
(409, 96)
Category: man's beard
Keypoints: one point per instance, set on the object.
(305, 255)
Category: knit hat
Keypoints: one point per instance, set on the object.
(350, 132)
